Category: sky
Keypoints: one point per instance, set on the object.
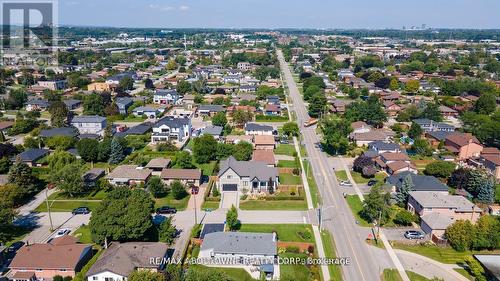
(373, 14)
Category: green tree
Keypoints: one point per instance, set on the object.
(21, 175)
(481, 185)
(69, 179)
(88, 149)
(60, 142)
(204, 149)
(487, 233)
(93, 104)
(460, 235)
(232, 218)
(59, 159)
(432, 112)
(5, 164)
(422, 147)
(219, 119)
(375, 206)
(394, 85)
(440, 169)
(58, 114)
(184, 160)
(404, 217)
(317, 104)
(415, 131)
(167, 231)
(476, 270)
(335, 131)
(412, 86)
(404, 191)
(123, 215)
(243, 151)
(485, 104)
(311, 91)
(156, 187)
(291, 129)
(116, 154)
(183, 87)
(146, 275)
(200, 274)
(7, 216)
(171, 65)
(178, 190)
(240, 117)
(127, 83)
(103, 150)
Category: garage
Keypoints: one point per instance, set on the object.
(229, 187)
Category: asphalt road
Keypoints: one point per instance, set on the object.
(337, 215)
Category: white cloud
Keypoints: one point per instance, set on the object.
(160, 7)
(184, 8)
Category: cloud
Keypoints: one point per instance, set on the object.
(184, 8)
(160, 7)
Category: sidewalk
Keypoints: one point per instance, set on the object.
(35, 202)
(303, 175)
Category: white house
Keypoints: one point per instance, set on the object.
(258, 129)
(169, 128)
(168, 96)
(89, 124)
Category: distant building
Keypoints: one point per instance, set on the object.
(54, 85)
(87, 124)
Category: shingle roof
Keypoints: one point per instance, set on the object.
(461, 139)
(264, 140)
(440, 200)
(124, 258)
(129, 172)
(257, 127)
(172, 122)
(88, 119)
(382, 145)
(32, 154)
(65, 131)
(240, 243)
(251, 169)
(158, 163)
(264, 155)
(437, 220)
(212, 130)
(421, 183)
(211, 107)
(181, 174)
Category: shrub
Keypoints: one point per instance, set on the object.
(293, 249)
(310, 249)
(296, 171)
(244, 197)
(306, 235)
(404, 217)
(196, 231)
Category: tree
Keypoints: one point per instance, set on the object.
(481, 185)
(415, 131)
(361, 162)
(59, 159)
(422, 147)
(335, 131)
(485, 104)
(240, 117)
(317, 104)
(5, 164)
(69, 179)
(178, 190)
(487, 230)
(183, 87)
(432, 112)
(232, 219)
(184, 160)
(219, 119)
(7, 149)
(475, 268)
(406, 187)
(21, 175)
(93, 104)
(404, 217)
(204, 149)
(199, 274)
(375, 206)
(224, 150)
(412, 86)
(148, 84)
(460, 235)
(458, 178)
(156, 187)
(127, 83)
(123, 215)
(7, 216)
(116, 154)
(440, 169)
(167, 231)
(291, 129)
(243, 151)
(311, 91)
(146, 275)
(58, 114)
(171, 65)
(88, 149)
(60, 142)
(394, 85)
(104, 149)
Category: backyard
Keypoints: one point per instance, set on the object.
(285, 149)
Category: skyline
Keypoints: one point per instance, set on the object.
(259, 14)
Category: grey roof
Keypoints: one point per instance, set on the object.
(382, 145)
(421, 183)
(42, 103)
(123, 258)
(93, 174)
(257, 127)
(88, 119)
(165, 92)
(439, 135)
(370, 153)
(118, 77)
(71, 103)
(491, 263)
(212, 130)
(211, 108)
(251, 169)
(247, 243)
(438, 200)
(65, 131)
(136, 130)
(124, 101)
(436, 125)
(211, 228)
(144, 109)
(172, 122)
(32, 154)
(437, 220)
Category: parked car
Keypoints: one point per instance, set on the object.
(195, 190)
(345, 183)
(414, 234)
(81, 211)
(15, 246)
(166, 210)
(372, 182)
(62, 232)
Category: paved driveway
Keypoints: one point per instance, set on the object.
(228, 199)
(397, 233)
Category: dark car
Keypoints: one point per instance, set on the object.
(372, 182)
(81, 211)
(15, 246)
(195, 190)
(166, 210)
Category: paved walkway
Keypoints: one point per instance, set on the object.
(35, 202)
(303, 175)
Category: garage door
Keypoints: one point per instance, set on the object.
(229, 187)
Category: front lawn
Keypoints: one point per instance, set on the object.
(67, 206)
(289, 179)
(391, 275)
(233, 273)
(358, 178)
(297, 271)
(356, 206)
(295, 205)
(169, 200)
(341, 175)
(210, 205)
(288, 164)
(271, 118)
(83, 234)
(416, 277)
(207, 168)
(94, 195)
(286, 232)
(285, 149)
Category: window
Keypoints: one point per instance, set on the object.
(229, 177)
(108, 279)
(94, 278)
(62, 269)
(245, 183)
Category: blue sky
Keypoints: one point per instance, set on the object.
(281, 13)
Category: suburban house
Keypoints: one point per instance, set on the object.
(214, 131)
(448, 112)
(128, 175)
(53, 85)
(31, 156)
(420, 182)
(115, 80)
(61, 256)
(490, 160)
(437, 137)
(234, 139)
(365, 138)
(360, 127)
(37, 105)
(72, 104)
(121, 259)
(391, 108)
(99, 87)
(166, 96)
(258, 129)
(264, 142)
(382, 147)
(395, 163)
(272, 110)
(428, 125)
(91, 177)
(210, 109)
(438, 210)
(264, 155)
(89, 124)
(147, 111)
(185, 176)
(241, 247)
(254, 176)
(63, 131)
(123, 103)
(464, 145)
(156, 165)
(169, 128)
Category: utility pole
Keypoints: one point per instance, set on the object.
(48, 209)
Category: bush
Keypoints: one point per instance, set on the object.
(215, 191)
(440, 169)
(310, 249)
(243, 197)
(404, 217)
(296, 171)
(196, 231)
(178, 190)
(293, 249)
(306, 235)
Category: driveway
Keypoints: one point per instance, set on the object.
(228, 199)
(397, 233)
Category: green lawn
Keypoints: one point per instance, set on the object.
(416, 277)
(237, 274)
(289, 179)
(95, 195)
(268, 118)
(464, 273)
(313, 187)
(67, 206)
(295, 205)
(168, 200)
(356, 206)
(441, 254)
(83, 234)
(133, 118)
(391, 275)
(341, 175)
(207, 168)
(329, 247)
(288, 164)
(358, 178)
(285, 149)
(286, 232)
(210, 205)
(297, 271)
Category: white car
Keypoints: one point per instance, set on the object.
(345, 183)
(62, 232)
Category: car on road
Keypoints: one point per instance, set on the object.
(166, 210)
(81, 211)
(372, 182)
(414, 234)
(195, 190)
(345, 183)
(15, 246)
(61, 232)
